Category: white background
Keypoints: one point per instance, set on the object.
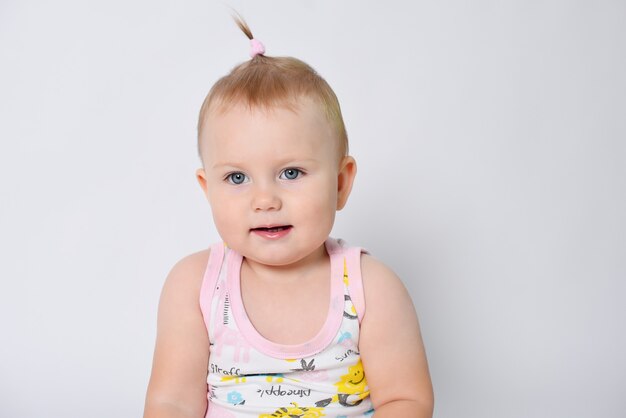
(491, 142)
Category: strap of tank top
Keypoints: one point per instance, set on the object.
(209, 281)
(355, 282)
(352, 255)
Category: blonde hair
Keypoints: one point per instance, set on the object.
(268, 82)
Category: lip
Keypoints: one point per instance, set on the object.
(272, 232)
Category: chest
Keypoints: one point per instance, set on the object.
(289, 313)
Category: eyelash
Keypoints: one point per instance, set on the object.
(229, 177)
(299, 173)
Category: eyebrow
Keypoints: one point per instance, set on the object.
(283, 162)
(224, 165)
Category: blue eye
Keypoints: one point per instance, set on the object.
(290, 174)
(236, 178)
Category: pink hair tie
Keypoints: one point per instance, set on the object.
(257, 48)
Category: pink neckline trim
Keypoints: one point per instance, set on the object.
(325, 335)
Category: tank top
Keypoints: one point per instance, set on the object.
(250, 376)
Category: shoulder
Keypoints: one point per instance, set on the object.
(179, 316)
(389, 309)
(190, 264)
(184, 279)
(380, 283)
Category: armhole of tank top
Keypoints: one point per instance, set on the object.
(209, 281)
(355, 283)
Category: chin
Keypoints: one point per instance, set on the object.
(274, 260)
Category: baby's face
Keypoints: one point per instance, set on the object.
(274, 180)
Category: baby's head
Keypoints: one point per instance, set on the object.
(267, 83)
(274, 152)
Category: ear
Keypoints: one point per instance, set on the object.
(201, 177)
(345, 179)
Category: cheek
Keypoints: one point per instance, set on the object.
(328, 196)
(320, 201)
(224, 210)
(228, 225)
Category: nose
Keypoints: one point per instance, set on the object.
(266, 198)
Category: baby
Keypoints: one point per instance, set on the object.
(280, 320)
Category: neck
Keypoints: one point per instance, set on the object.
(287, 274)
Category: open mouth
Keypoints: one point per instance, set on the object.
(272, 229)
(272, 232)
